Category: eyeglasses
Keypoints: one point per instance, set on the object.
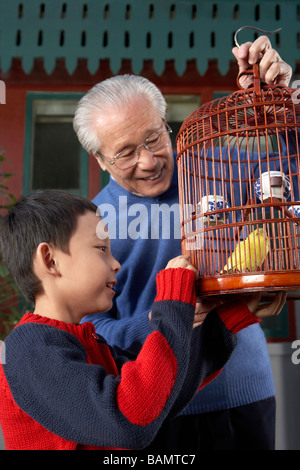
(154, 143)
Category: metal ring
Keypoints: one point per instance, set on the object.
(253, 27)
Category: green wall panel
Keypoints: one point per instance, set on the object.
(138, 30)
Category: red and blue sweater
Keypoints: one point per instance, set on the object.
(63, 387)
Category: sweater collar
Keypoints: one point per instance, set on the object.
(85, 329)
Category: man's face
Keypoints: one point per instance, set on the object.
(126, 127)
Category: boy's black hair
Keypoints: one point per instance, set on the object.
(46, 216)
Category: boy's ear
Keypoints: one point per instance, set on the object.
(45, 259)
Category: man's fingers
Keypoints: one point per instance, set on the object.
(241, 55)
(272, 309)
(271, 67)
(258, 49)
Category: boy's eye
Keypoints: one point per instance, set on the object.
(102, 248)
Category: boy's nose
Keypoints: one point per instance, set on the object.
(116, 266)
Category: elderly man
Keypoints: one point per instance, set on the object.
(122, 122)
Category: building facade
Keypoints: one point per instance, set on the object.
(53, 51)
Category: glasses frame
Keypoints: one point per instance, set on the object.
(138, 149)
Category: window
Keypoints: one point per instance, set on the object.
(54, 158)
(179, 108)
(281, 327)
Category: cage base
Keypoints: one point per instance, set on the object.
(266, 283)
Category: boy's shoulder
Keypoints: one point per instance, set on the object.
(35, 347)
(35, 333)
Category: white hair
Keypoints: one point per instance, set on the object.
(114, 91)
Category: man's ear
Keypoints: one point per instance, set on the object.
(44, 260)
(101, 163)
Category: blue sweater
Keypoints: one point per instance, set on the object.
(247, 377)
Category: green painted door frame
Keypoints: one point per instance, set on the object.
(28, 145)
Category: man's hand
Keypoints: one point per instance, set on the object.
(273, 70)
(204, 306)
(266, 309)
(253, 301)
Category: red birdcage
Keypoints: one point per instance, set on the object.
(238, 165)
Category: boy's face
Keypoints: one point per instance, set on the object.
(88, 272)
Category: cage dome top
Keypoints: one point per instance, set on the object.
(257, 110)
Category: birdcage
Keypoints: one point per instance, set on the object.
(238, 166)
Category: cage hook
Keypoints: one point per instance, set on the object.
(256, 29)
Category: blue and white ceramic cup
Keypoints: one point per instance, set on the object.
(295, 210)
(272, 184)
(211, 203)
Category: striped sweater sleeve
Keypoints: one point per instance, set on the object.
(163, 360)
(211, 346)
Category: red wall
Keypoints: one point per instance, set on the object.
(12, 122)
(12, 114)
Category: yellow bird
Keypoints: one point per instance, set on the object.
(249, 254)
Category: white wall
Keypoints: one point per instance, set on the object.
(1, 441)
(287, 386)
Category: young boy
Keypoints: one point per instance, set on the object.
(62, 387)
